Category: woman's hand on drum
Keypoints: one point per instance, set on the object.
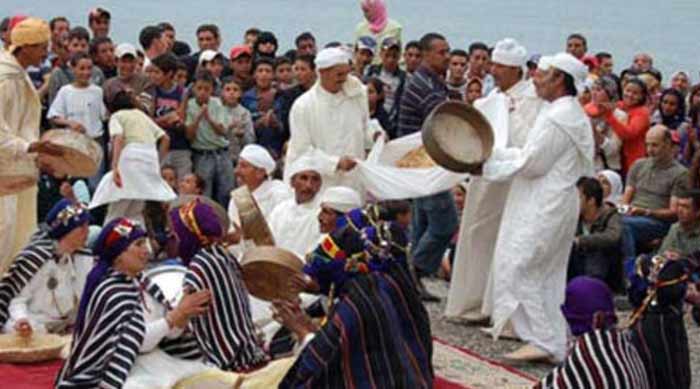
(192, 304)
(23, 328)
(303, 283)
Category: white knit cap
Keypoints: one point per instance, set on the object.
(302, 164)
(509, 52)
(331, 56)
(341, 199)
(568, 64)
(257, 156)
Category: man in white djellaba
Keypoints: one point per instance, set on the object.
(512, 109)
(541, 212)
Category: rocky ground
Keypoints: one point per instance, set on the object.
(472, 338)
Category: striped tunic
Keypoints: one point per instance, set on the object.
(423, 92)
(106, 344)
(28, 262)
(600, 359)
(226, 334)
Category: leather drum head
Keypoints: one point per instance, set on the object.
(267, 271)
(81, 155)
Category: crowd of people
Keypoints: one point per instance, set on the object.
(592, 189)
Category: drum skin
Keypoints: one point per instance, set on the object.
(267, 271)
(81, 155)
(253, 222)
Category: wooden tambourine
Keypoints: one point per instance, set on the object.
(17, 175)
(458, 137)
(267, 271)
(81, 155)
(253, 224)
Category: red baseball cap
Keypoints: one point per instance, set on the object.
(237, 51)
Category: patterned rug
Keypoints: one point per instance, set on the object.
(459, 368)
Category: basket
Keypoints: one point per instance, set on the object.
(37, 348)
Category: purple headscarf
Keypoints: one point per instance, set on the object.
(66, 216)
(114, 239)
(196, 226)
(584, 297)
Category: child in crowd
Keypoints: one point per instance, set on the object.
(206, 130)
(80, 107)
(474, 90)
(459, 193)
(375, 94)
(391, 75)
(364, 52)
(181, 76)
(213, 62)
(261, 102)
(168, 113)
(284, 77)
(191, 184)
(169, 174)
(237, 119)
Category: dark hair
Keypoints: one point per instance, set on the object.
(333, 44)
(642, 86)
(148, 35)
(693, 194)
(378, 86)
(412, 45)
(95, 44)
(121, 100)
(252, 31)
(266, 37)
(168, 167)
(179, 65)
(308, 59)
(75, 58)
(459, 53)
(579, 37)
(591, 188)
(58, 19)
(263, 61)
(478, 46)
(230, 80)
(204, 75)
(166, 26)
(389, 210)
(165, 62)
(304, 36)
(603, 55)
(199, 181)
(181, 48)
(213, 28)
(291, 54)
(693, 115)
(79, 33)
(680, 109)
(281, 61)
(426, 42)
(569, 83)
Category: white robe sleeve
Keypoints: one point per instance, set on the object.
(538, 156)
(11, 145)
(19, 306)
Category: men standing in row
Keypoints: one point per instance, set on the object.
(512, 108)
(541, 212)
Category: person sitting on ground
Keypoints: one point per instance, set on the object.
(612, 187)
(191, 184)
(169, 174)
(336, 201)
(40, 291)
(683, 237)
(671, 111)
(596, 251)
(653, 186)
(602, 355)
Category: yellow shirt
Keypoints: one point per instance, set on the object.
(135, 126)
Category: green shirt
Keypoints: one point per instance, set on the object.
(681, 241)
(206, 138)
(654, 185)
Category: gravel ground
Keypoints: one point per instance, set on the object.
(472, 338)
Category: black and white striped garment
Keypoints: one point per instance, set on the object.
(600, 359)
(185, 346)
(226, 334)
(107, 343)
(26, 265)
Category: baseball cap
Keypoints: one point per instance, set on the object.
(390, 42)
(367, 43)
(125, 49)
(96, 13)
(237, 51)
(209, 55)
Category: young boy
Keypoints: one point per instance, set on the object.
(238, 121)
(206, 130)
(181, 76)
(391, 75)
(412, 56)
(364, 52)
(80, 107)
(284, 78)
(260, 101)
(77, 42)
(457, 75)
(213, 62)
(167, 97)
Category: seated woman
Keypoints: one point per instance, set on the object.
(40, 291)
(601, 356)
(121, 320)
(226, 334)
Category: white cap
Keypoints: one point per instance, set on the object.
(125, 49)
(302, 164)
(208, 55)
(341, 199)
(509, 52)
(257, 156)
(331, 56)
(568, 64)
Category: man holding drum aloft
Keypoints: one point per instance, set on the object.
(20, 115)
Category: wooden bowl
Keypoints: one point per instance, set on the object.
(267, 271)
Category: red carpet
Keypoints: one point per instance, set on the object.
(34, 376)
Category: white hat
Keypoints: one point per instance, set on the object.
(509, 52)
(568, 64)
(341, 199)
(125, 49)
(209, 55)
(302, 164)
(257, 156)
(331, 56)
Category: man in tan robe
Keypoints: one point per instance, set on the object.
(20, 115)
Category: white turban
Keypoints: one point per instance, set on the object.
(341, 199)
(509, 52)
(304, 163)
(331, 56)
(568, 64)
(259, 157)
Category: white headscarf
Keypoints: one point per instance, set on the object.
(509, 52)
(568, 64)
(615, 181)
(259, 157)
(331, 56)
(304, 163)
(341, 199)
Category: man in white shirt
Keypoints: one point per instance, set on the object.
(512, 109)
(332, 120)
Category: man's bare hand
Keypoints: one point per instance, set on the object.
(346, 164)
